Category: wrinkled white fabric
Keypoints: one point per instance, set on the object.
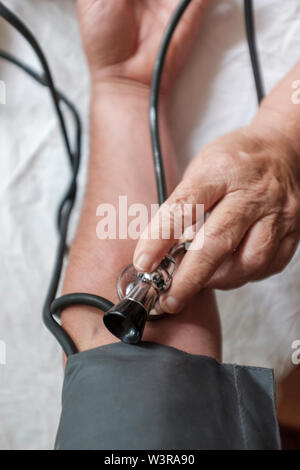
(215, 94)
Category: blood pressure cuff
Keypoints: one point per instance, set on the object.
(154, 397)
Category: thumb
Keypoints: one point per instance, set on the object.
(194, 196)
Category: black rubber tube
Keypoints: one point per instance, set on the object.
(161, 184)
(251, 39)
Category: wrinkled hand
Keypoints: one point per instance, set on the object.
(121, 38)
(249, 181)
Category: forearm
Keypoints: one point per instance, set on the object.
(280, 110)
(121, 164)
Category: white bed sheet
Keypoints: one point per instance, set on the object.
(214, 95)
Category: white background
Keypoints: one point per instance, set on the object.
(215, 94)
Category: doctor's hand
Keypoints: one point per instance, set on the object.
(249, 181)
(121, 38)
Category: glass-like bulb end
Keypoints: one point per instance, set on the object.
(158, 281)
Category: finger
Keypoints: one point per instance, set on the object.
(220, 235)
(253, 257)
(283, 256)
(181, 209)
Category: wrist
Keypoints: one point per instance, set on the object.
(109, 89)
(281, 125)
(279, 138)
(118, 85)
(119, 107)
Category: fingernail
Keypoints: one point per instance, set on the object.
(171, 304)
(143, 263)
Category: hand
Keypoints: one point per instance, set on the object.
(121, 38)
(249, 181)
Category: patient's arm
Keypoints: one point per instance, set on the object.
(121, 40)
(121, 164)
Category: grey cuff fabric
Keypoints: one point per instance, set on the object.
(155, 397)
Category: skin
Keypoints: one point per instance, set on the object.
(121, 40)
(121, 163)
(249, 181)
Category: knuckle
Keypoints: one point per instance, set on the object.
(253, 263)
(293, 208)
(183, 194)
(225, 160)
(277, 190)
(267, 239)
(221, 237)
(266, 180)
(270, 188)
(228, 166)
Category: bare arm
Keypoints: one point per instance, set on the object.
(121, 164)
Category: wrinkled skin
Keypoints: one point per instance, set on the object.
(250, 181)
